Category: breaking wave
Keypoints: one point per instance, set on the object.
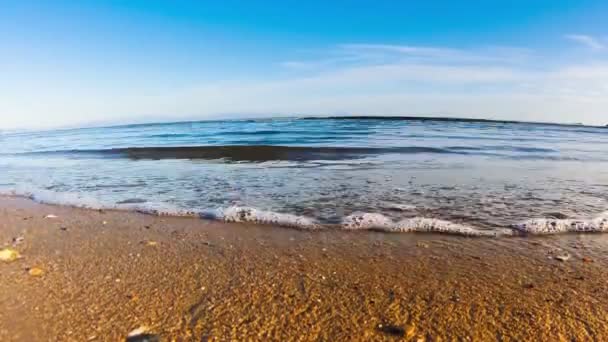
(354, 222)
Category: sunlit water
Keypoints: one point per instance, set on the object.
(473, 178)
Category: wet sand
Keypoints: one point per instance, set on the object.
(190, 280)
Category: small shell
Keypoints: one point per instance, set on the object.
(9, 254)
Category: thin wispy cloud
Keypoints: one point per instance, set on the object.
(383, 54)
(370, 79)
(588, 41)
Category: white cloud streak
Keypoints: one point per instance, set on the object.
(588, 41)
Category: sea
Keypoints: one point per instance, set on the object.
(391, 174)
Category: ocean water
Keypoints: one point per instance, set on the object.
(403, 175)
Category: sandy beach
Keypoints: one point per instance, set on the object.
(98, 275)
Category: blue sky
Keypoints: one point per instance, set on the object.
(65, 63)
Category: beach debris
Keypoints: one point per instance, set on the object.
(141, 334)
(63, 228)
(51, 216)
(564, 257)
(35, 271)
(104, 222)
(391, 329)
(9, 254)
(151, 243)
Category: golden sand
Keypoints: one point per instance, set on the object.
(192, 280)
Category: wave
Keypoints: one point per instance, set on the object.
(263, 153)
(254, 153)
(355, 222)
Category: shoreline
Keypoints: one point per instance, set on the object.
(357, 221)
(191, 279)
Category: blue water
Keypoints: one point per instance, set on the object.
(397, 175)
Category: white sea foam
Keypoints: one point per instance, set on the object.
(553, 226)
(253, 215)
(373, 221)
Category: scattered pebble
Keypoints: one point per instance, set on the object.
(422, 244)
(50, 216)
(18, 240)
(9, 254)
(562, 258)
(133, 297)
(35, 272)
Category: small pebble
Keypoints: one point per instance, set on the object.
(562, 258)
(50, 216)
